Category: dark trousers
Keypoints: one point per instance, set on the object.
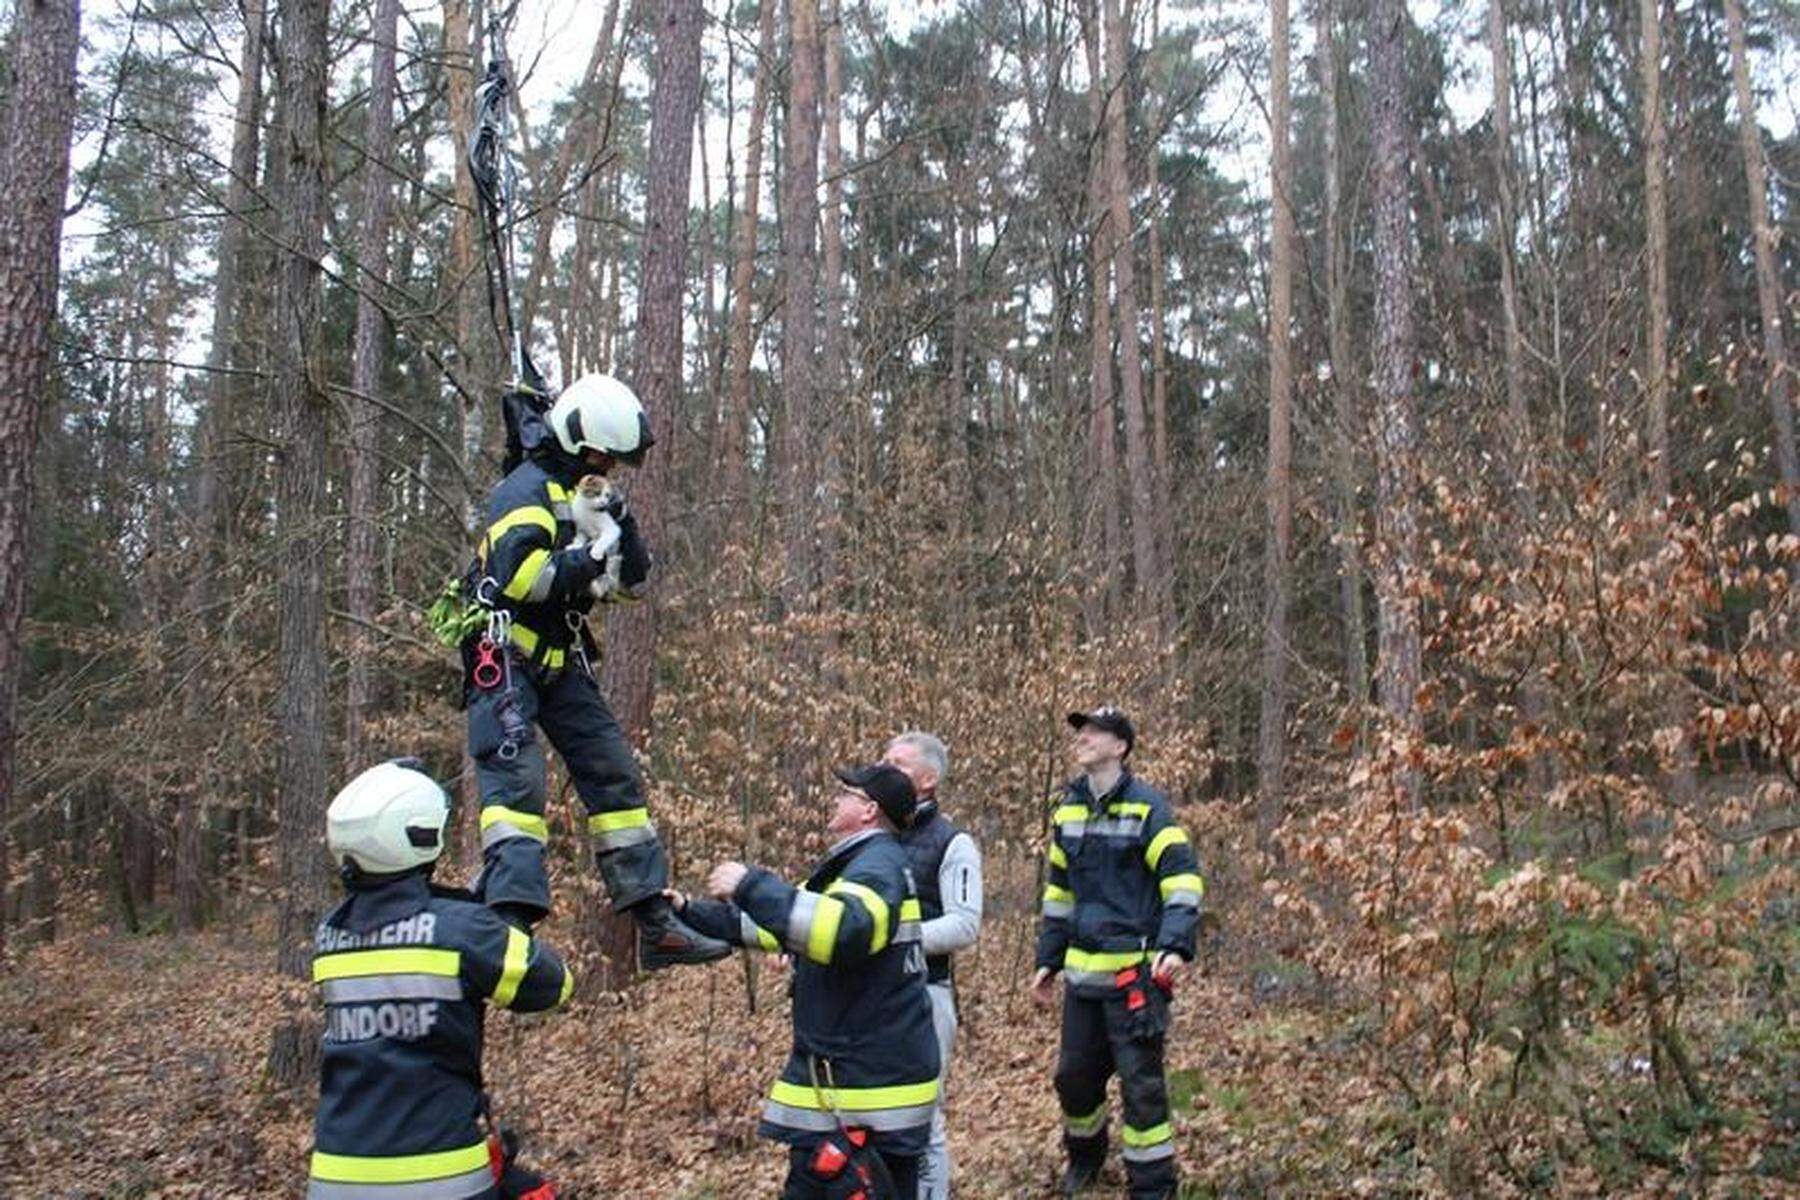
(803, 1183)
(509, 768)
(1112, 1035)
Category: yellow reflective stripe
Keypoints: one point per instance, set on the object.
(1147, 1137)
(1052, 892)
(911, 910)
(527, 640)
(1088, 1123)
(871, 899)
(531, 514)
(524, 822)
(1057, 857)
(412, 960)
(821, 935)
(512, 973)
(568, 987)
(555, 490)
(1103, 960)
(401, 1168)
(1128, 808)
(1174, 835)
(900, 1095)
(767, 940)
(1182, 883)
(612, 822)
(526, 575)
(1069, 812)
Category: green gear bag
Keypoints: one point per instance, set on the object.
(453, 617)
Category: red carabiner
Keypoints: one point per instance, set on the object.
(487, 664)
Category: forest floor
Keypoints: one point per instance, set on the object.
(134, 1067)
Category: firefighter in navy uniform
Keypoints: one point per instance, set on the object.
(1120, 912)
(531, 569)
(854, 1102)
(405, 972)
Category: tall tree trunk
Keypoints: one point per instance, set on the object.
(832, 394)
(211, 500)
(303, 766)
(1277, 551)
(631, 629)
(743, 267)
(1147, 566)
(1346, 413)
(1103, 468)
(1396, 437)
(1159, 383)
(799, 218)
(468, 364)
(1518, 418)
(37, 123)
(1656, 248)
(1779, 378)
(370, 351)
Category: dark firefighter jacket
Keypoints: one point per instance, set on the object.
(526, 565)
(405, 972)
(1123, 884)
(864, 1049)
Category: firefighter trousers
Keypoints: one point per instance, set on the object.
(566, 706)
(805, 1183)
(1107, 1035)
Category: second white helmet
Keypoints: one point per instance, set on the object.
(388, 819)
(597, 412)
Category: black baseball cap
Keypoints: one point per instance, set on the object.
(887, 786)
(1110, 719)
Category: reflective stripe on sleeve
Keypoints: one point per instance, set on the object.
(512, 973)
(531, 514)
(1058, 901)
(531, 582)
(1180, 890)
(813, 924)
(752, 934)
(1174, 835)
(872, 901)
(1057, 857)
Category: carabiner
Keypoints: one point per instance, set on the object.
(487, 672)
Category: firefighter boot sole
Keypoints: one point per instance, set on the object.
(669, 942)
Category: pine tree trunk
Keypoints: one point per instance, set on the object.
(1159, 383)
(1346, 511)
(461, 66)
(1518, 418)
(832, 396)
(800, 217)
(1779, 377)
(1103, 468)
(1151, 575)
(1656, 249)
(743, 267)
(37, 123)
(302, 761)
(1278, 550)
(1396, 436)
(367, 367)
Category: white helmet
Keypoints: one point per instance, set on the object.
(388, 819)
(597, 412)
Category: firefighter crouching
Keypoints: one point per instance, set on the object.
(1120, 912)
(405, 971)
(540, 580)
(854, 1102)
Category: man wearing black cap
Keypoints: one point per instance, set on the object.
(854, 1102)
(1119, 917)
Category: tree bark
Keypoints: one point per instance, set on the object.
(1103, 467)
(1346, 511)
(1278, 550)
(800, 218)
(1150, 575)
(367, 366)
(1159, 383)
(37, 123)
(832, 391)
(1656, 249)
(743, 268)
(468, 363)
(1779, 379)
(302, 761)
(1518, 417)
(1396, 436)
(631, 641)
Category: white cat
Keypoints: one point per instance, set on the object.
(595, 527)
